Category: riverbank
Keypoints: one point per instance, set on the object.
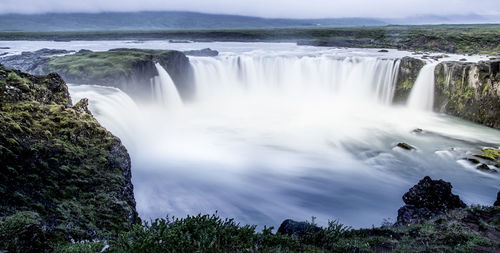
(483, 39)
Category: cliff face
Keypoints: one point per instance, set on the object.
(407, 75)
(178, 67)
(466, 90)
(469, 90)
(61, 172)
(130, 70)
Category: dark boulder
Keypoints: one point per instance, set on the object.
(427, 199)
(405, 146)
(296, 228)
(472, 160)
(485, 168)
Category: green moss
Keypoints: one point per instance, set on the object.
(16, 81)
(55, 160)
(489, 154)
(23, 232)
(106, 66)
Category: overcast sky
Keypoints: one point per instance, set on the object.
(267, 8)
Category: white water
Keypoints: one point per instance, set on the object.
(365, 79)
(164, 89)
(280, 134)
(422, 94)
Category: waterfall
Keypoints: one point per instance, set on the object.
(267, 133)
(353, 78)
(422, 93)
(164, 90)
(113, 108)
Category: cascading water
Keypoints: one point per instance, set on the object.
(422, 93)
(356, 78)
(164, 89)
(273, 135)
(112, 108)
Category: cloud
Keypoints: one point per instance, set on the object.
(266, 8)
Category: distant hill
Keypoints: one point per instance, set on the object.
(162, 20)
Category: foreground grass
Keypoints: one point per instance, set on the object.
(466, 230)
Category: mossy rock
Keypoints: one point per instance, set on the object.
(57, 161)
(470, 91)
(130, 70)
(489, 154)
(407, 75)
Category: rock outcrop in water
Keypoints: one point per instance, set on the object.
(407, 75)
(427, 199)
(130, 70)
(202, 52)
(470, 91)
(62, 175)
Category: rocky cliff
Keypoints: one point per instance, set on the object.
(130, 70)
(469, 90)
(409, 68)
(62, 175)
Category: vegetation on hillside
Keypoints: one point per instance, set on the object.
(445, 38)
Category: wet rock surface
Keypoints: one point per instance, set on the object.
(405, 146)
(409, 68)
(470, 91)
(427, 199)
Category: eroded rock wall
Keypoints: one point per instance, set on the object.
(470, 91)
